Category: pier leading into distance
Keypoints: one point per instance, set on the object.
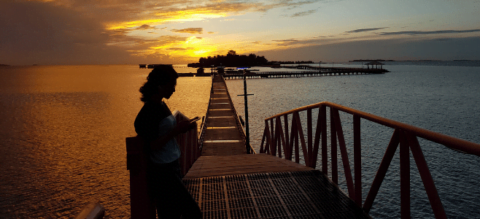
(226, 182)
(223, 134)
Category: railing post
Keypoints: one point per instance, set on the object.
(323, 110)
(309, 138)
(195, 151)
(262, 150)
(427, 179)
(344, 154)
(181, 140)
(277, 140)
(294, 138)
(192, 146)
(279, 136)
(357, 160)
(301, 137)
(287, 139)
(316, 143)
(141, 206)
(268, 138)
(404, 177)
(333, 149)
(273, 140)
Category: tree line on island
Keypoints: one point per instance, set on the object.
(234, 60)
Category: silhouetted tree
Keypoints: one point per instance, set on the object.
(232, 52)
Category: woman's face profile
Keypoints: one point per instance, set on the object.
(169, 88)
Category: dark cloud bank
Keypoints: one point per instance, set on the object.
(40, 33)
(442, 49)
(192, 30)
(366, 30)
(429, 32)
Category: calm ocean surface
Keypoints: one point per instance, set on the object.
(63, 130)
(443, 97)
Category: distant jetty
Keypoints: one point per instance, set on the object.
(3, 65)
(149, 65)
(312, 72)
(371, 60)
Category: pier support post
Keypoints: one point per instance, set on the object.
(142, 207)
(247, 130)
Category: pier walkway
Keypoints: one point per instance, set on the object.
(281, 181)
(226, 182)
(223, 136)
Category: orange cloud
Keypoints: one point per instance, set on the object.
(129, 24)
(202, 11)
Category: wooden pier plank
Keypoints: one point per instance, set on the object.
(221, 122)
(207, 166)
(223, 149)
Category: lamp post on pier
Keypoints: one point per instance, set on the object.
(247, 131)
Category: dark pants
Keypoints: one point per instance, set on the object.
(172, 199)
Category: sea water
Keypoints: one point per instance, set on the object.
(63, 130)
(62, 136)
(443, 97)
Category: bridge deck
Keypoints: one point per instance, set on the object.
(302, 194)
(207, 166)
(222, 136)
(228, 183)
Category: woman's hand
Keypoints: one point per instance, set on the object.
(184, 126)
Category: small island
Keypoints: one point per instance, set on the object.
(230, 60)
(3, 65)
(234, 60)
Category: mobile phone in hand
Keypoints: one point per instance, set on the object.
(194, 119)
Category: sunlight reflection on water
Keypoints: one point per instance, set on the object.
(63, 131)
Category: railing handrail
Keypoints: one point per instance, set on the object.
(204, 122)
(451, 142)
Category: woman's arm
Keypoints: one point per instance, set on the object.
(181, 127)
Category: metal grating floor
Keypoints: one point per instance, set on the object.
(303, 194)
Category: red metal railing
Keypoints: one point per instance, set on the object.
(276, 138)
(204, 119)
(188, 143)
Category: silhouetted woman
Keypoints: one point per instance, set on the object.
(157, 126)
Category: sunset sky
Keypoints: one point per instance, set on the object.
(181, 31)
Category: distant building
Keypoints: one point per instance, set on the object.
(374, 63)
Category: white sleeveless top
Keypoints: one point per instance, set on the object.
(171, 151)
